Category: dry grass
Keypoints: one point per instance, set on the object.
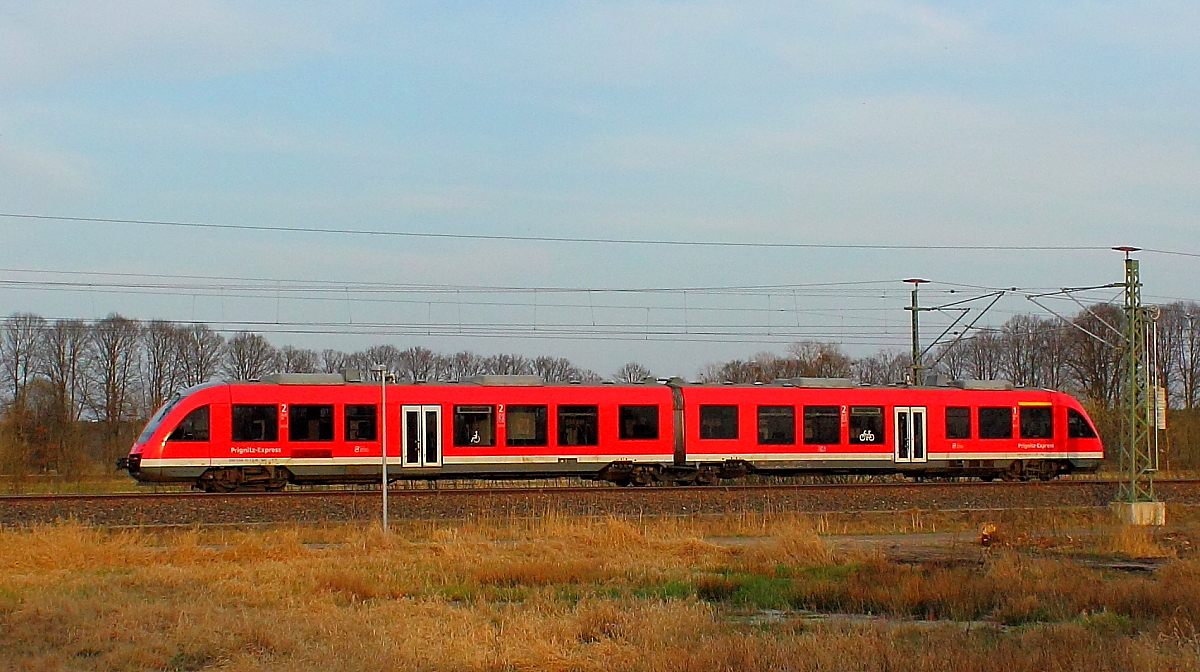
(561, 593)
(1134, 541)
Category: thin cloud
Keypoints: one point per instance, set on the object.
(109, 39)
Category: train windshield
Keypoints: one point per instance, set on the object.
(156, 419)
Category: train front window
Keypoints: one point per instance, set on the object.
(310, 422)
(193, 427)
(578, 425)
(776, 425)
(474, 425)
(638, 422)
(866, 424)
(958, 422)
(718, 422)
(822, 425)
(1037, 422)
(1078, 426)
(525, 426)
(360, 422)
(157, 418)
(255, 422)
(995, 422)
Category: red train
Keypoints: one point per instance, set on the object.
(319, 428)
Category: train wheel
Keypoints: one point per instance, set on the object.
(642, 476)
(221, 480)
(987, 478)
(279, 479)
(1015, 472)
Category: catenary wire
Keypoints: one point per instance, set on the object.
(563, 239)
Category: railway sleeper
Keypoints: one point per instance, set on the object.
(230, 479)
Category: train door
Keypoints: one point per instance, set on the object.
(910, 433)
(421, 427)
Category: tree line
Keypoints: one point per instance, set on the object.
(73, 391)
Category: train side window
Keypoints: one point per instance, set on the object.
(866, 424)
(526, 425)
(474, 425)
(822, 425)
(995, 422)
(360, 422)
(578, 425)
(1037, 422)
(637, 422)
(776, 425)
(193, 427)
(255, 422)
(1078, 427)
(718, 422)
(958, 422)
(310, 422)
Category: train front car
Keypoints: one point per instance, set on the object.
(1083, 446)
(990, 429)
(984, 429)
(175, 445)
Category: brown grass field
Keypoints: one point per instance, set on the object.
(744, 592)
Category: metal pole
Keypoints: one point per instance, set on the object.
(382, 371)
(916, 365)
(1139, 426)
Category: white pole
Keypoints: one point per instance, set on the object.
(383, 439)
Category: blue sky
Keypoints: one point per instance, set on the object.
(1068, 124)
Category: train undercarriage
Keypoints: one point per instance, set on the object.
(628, 473)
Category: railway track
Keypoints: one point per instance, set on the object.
(315, 506)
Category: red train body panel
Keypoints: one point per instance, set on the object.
(321, 429)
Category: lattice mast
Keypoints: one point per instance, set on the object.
(1139, 439)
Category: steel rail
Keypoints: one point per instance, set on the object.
(627, 491)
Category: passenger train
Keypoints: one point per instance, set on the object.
(329, 428)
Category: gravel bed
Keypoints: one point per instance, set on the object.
(311, 507)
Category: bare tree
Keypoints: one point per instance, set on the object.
(632, 373)
(1187, 358)
(200, 350)
(298, 360)
(65, 352)
(65, 345)
(1019, 351)
(162, 370)
(735, 371)
(20, 340)
(388, 355)
(1096, 364)
(821, 360)
(113, 377)
(507, 365)
(882, 368)
(249, 357)
(953, 360)
(555, 369)
(417, 363)
(465, 364)
(1055, 360)
(443, 368)
(986, 356)
(333, 361)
